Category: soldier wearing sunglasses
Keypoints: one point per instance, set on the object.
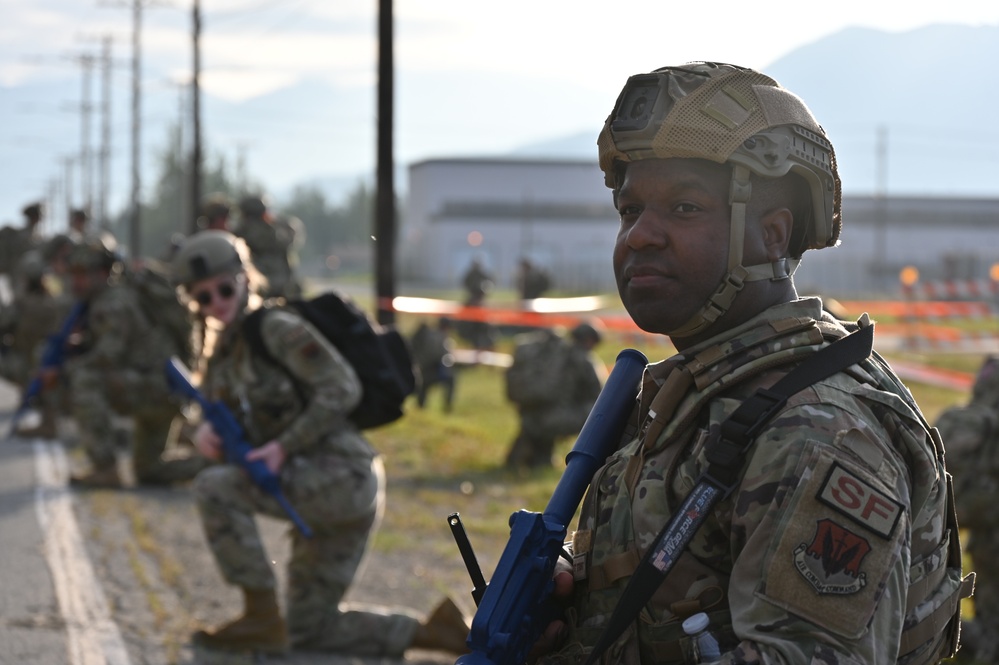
(294, 415)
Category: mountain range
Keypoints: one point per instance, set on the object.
(909, 113)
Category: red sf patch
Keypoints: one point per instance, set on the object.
(831, 562)
(860, 501)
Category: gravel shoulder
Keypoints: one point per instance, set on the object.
(161, 581)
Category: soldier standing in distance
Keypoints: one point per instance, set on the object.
(838, 539)
(16, 242)
(432, 353)
(532, 280)
(295, 417)
(271, 241)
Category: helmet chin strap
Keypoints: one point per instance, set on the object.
(737, 275)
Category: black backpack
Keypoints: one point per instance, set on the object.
(379, 354)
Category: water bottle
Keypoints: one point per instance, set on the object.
(706, 647)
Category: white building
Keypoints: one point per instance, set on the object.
(560, 214)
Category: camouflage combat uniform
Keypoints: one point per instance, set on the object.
(120, 370)
(580, 376)
(331, 476)
(271, 244)
(26, 323)
(818, 554)
(431, 347)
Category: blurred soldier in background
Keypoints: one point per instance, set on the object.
(25, 325)
(532, 280)
(478, 282)
(215, 213)
(78, 230)
(971, 436)
(553, 383)
(118, 369)
(16, 242)
(432, 352)
(272, 243)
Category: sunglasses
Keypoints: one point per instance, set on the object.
(204, 297)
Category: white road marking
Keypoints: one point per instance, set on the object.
(94, 638)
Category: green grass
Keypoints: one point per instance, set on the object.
(445, 462)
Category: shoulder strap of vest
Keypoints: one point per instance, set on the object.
(725, 457)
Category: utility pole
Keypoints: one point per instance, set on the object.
(104, 172)
(134, 239)
(195, 207)
(86, 171)
(881, 208)
(68, 162)
(385, 196)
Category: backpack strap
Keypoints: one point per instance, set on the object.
(725, 459)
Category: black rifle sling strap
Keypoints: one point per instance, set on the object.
(725, 459)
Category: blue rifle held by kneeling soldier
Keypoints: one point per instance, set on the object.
(53, 357)
(516, 605)
(234, 443)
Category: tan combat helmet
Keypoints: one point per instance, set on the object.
(95, 254)
(206, 254)
(728, 114)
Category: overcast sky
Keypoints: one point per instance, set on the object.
(252, 47)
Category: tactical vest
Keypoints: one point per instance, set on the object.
(697, 392)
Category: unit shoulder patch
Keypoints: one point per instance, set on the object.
(858, 500)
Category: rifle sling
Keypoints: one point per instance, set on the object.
(725, 459)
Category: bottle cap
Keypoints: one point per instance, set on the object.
(696, 623)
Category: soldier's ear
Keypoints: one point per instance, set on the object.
(776, 227)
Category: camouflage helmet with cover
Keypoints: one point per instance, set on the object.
(98, 253)
(253, 205)
(986, 387)
(728, 114)
(206, 254)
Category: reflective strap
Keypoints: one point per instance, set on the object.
(613, 569)
(932, 626)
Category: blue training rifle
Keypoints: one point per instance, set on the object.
(234, 443)
(516, 605)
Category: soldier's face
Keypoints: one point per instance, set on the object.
(672, 246)
(220, 297)
(84, 283)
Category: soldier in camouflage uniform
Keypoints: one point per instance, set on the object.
(16, 242)
(432, 353)
(25, 325)
(272, 242)
(578, 375)
(295, 417)
(837, 544)
(971, 434)
(117, 369)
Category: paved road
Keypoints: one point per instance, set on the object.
(123, 578)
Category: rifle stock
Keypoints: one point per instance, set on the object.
(516, 606)
(53, 356)
(234, 444)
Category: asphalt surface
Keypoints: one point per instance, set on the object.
(124, 577)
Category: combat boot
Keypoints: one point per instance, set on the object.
(444, 630)
(103, 478)
(261, 628)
